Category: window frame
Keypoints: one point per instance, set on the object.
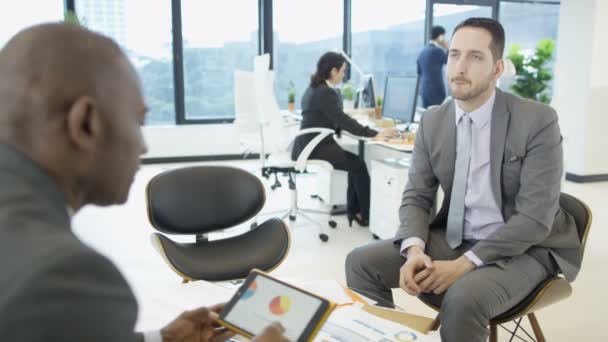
(265, 42)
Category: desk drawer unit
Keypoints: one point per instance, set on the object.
(388, 180)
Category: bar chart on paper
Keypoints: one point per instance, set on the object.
(355, 325)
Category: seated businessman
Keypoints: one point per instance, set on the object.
(500, 230)
(71, 110)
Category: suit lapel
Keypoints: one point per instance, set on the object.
(498, 136)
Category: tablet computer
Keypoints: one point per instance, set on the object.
(262, 299)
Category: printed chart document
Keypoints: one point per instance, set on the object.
(352, 324)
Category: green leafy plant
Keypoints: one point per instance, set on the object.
(348, 91)
(379, 101)
(71, 18)
(532, 73)
(291, 93)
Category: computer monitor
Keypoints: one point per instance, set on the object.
(366, 95)
(400, 98)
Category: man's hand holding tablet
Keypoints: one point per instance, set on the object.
(263, 300)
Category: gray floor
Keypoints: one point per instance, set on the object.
(122, 234)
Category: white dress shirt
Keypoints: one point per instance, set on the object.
(482, 216)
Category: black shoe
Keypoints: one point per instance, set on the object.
(360, 221)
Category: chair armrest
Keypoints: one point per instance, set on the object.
(303, 157)
(315, 130)
(308, 131)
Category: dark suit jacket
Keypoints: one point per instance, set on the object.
(322, 108)
(52, 286)
(430, 64)
(526, 165)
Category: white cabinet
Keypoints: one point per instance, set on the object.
(388, 180)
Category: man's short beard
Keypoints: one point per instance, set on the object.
(473, 93)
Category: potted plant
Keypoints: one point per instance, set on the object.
(71, 18)
(532, 75)
(291, 97)
(378, 107)
(348, 95)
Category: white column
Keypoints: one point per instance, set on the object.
(581, 87)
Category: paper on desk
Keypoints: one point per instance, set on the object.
(352, 324)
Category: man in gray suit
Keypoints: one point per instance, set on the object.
(71, 111)
(500, 230)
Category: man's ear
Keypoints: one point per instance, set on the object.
(499, 68)
(84, 127)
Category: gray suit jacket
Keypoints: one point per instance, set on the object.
(52, 286)
(526, 163)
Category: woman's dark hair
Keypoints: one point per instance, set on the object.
(326, 63)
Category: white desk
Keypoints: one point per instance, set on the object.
(406, 148)
(366, 121)
(160, 305)
(388, 180)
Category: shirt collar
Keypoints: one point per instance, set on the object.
(480, 116)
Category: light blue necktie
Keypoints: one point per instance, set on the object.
(459, 185)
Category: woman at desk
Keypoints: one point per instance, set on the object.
(322, 107)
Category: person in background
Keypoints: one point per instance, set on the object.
(430, 68)
(71, 111)
(322, 107)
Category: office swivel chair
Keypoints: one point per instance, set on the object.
(281, 163)
(550, 291)
(202, 199)
(276, 140)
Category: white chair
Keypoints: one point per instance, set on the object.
(281, 163)
(258, 131)
(276, 141)
(246, 120)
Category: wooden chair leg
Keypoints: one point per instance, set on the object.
(536, 328)
(493, 333)
(436, 323)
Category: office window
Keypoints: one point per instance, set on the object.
(303, 31)
(218, 37)
(386, 38)
(143, 30)
(449, 16)
(21, 14)
(526, 24)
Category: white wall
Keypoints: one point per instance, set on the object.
(191, 140)
(600, 45)
(596, 158)
(581, 85)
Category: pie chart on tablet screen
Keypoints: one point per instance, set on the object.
(280, 305)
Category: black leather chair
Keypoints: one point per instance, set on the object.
(202, 199)
(551, 290)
